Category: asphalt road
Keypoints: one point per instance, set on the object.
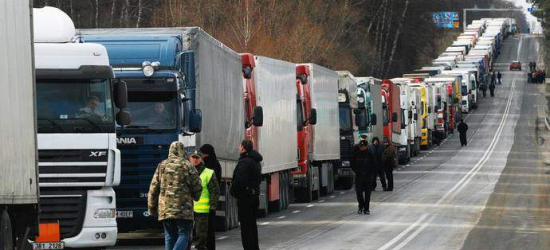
(492, 194)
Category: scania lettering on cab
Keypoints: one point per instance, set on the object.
(183, 85)
(79, 163)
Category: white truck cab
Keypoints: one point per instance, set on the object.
(79, 163)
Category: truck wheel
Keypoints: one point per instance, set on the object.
(305, 195)
(6, 232)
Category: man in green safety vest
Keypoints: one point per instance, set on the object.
(207, 202)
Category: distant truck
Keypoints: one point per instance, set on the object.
(395, 127)
(350, 114)
(270, 120)
(371, 89)
(19, 178)
(183, 85)
(79, 163)
(319, 145)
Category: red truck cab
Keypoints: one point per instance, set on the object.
(306, 119)
(249, 91)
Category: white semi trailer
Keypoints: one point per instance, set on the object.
(18, 157)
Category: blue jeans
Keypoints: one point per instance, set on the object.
(177, 233)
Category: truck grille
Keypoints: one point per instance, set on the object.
(345, 149)
(138, 167)
(76, 168)
(66, 207)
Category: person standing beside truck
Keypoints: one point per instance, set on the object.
(388, 163)
(499, 77)
(246, 189)
(363, 165)
(211, 161)
(208, 201)
(174, 187)
(377, 150)
(483, 88)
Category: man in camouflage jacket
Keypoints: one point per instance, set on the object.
(174, 187)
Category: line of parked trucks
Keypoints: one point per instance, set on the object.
(108, 103)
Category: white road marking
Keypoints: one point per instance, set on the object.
(281, 217)
(222, 237)
(311, 205)
(265, 223)
(295, 211)
(462, 183)
(405, 232)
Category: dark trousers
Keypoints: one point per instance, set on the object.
(388, 171)
(463, 139)
(492, 92)
(201, 231)
(248, 209)
(379, 173)
(211, 239)
(363, 188)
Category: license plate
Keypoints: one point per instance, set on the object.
(125, 214)
(49, 245)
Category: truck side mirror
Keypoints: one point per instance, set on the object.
(394, 117)
(123, 118)
(195, 121)
(258, 116)
(313, 117)
(416, 117)
(410, 114)
(247, 72)
(120, 94)
(373, 119)
(429, 110)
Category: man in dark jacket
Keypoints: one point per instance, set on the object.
(492, 89)
(363, 165)
(389, 163)
(211, 161)
(462, 128)
(377, 150)
(499, 77)
(246, 188)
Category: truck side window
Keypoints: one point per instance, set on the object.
(300, 115)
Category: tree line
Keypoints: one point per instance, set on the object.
(381, 38)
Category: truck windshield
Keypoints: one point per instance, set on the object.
(74, 106)
(464, 90)
(345, 118)
(152, 112)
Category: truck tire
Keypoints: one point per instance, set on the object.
(6, 232)
(305, 195)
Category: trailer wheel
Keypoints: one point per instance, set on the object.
(6, 232)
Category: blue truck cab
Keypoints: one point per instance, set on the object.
(161, 102)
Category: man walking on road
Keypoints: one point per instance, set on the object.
(377, 150)
(462, 128)
(492, 89)
(207, 202)
(363, 165)
(499, 77)
(174, 187)
(388, 163)
(246, 189)
(483, 88)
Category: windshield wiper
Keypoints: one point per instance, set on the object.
(90, 122)
(147, 128)
(55, 125)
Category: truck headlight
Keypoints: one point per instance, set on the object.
(345, 164)
(402, 149)
(148, 71)
(104, 213)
